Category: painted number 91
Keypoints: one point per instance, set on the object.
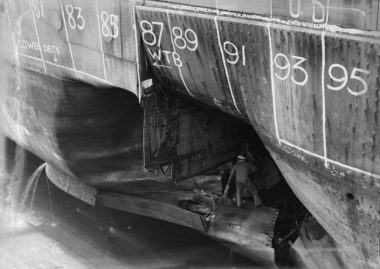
(233, 53)
(343, 80)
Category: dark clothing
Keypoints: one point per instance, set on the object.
(244, 171)
(268, 174)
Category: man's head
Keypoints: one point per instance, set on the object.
(241, 157)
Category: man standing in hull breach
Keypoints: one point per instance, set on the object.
(245, 172)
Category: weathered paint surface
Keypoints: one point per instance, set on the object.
(305, 99)
(342, 207)
(92, 41)
(303, 73)
(183, 139)
(276, 72)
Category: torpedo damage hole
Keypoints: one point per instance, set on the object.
(350, 196)
(237, 184)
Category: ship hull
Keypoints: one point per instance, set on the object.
(346, 211)
(305, 78)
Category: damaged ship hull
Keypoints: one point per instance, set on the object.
(303, 74)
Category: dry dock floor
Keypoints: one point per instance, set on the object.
(57, 231)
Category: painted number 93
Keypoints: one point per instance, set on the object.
(342, 81)
(233, 53)
(285, 67)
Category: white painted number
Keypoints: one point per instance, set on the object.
(189, 40)
(149, 37)
(343, 80)
(192, 39)
(233, 52)
(356, 70)
(79, 22)
(297, 66)
(285, 65)
(110, 26)
(38, 8)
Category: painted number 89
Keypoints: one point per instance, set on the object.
(185, 40)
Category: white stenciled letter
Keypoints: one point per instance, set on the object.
(177, 59)
(318, 6)
(298, 13)
(166, 52)
(155, 56)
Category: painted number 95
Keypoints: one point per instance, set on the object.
(342, 81)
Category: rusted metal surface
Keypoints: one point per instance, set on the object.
(248, 231)
(308, 72)
(316, 253)
(346, 211)
(188, 137)
(154, 209)
(352, 123)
